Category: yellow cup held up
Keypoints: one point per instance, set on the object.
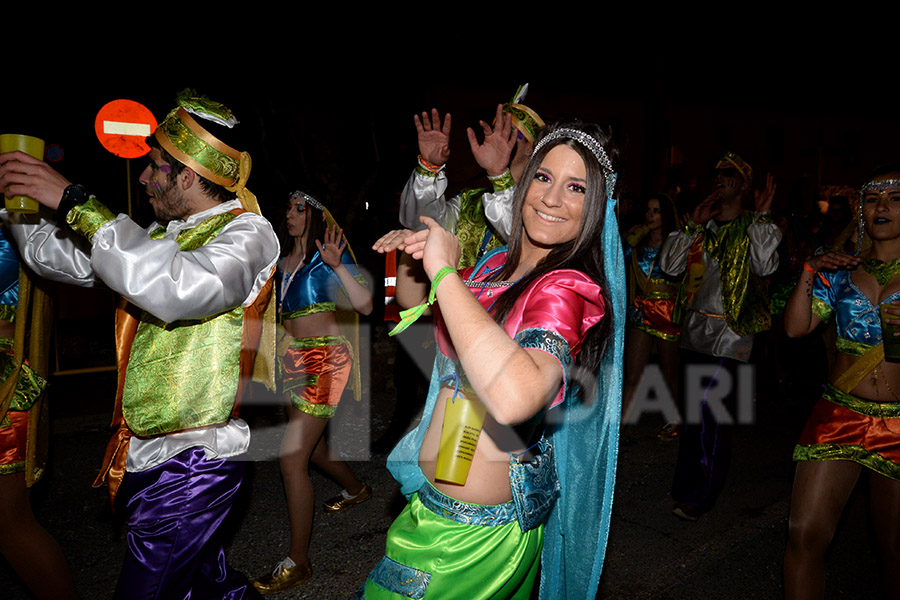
(463, 419)
(32, 146)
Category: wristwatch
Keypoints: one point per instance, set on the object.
(72, 196)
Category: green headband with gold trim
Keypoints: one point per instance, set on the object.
(182, 136)
(186, 140)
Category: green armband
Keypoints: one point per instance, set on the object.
(426, 169)
(502, 182)
(692, 228)
(764, 218)
(86, 218)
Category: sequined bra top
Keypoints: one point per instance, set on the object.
(857, 318)
(312, 289)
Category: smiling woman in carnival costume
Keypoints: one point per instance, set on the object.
(855, 426)
(525, 331)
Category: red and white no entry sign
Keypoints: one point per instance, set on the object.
(122, 125)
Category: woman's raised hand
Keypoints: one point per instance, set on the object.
(333, 246)
(832, 261)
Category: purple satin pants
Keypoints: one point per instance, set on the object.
(174, 512)
(704, 448)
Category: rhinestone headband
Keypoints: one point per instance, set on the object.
(308, 199)
(879, 185)
(591, 144)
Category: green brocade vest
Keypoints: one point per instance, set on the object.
(183, 375)
(744, 295)
(472, 227)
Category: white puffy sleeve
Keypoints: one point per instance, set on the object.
(424, 195)
(155, 274)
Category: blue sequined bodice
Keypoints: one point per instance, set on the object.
(314, 284)
(9, 271)
(857, 317)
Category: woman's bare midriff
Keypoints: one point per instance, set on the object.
(887, 378)
(7, 329)
(882, 384)
(314, 325)
(488, 480)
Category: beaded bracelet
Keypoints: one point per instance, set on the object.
(411, 315)
(433, 168)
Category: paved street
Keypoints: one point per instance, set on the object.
(733, 552)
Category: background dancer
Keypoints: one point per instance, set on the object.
(316, 365)
(855, 426)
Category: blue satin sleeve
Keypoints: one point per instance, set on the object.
(9, 271)
(315, 283)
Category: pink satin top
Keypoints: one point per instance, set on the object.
(553, 315)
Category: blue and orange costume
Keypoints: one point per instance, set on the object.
(20, 405)
(316, 369)
(843, 426)
(651, 294)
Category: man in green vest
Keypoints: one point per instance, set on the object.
(724, 253)
(194, 289)
(512, 135)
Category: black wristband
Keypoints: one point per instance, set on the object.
(72, 196)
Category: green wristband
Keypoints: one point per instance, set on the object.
(411, 315)
(443, 272)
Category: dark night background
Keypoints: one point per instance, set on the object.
(329, 105)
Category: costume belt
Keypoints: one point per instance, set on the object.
(879, 410)
(709, 314)
(492, 515)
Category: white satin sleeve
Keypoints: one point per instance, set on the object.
(673, 255)
(498, 210)
(156, 275)
(49, 251)
(171, 284)
(764, 240)
(425, 196)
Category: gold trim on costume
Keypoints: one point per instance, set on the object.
(181, 135)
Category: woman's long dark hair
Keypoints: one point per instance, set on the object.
(667, 213)
(581, 254)
(315, 227)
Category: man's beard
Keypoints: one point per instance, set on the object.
(170, 204)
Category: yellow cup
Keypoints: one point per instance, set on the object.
(32, 146)
(460, 431)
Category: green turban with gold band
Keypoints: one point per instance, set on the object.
(523, 118)
(182, 136)
(733, 160)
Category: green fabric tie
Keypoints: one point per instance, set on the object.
(411, 315)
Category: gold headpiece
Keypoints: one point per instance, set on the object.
(188, 142)
(523, 118)
(733, 160)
